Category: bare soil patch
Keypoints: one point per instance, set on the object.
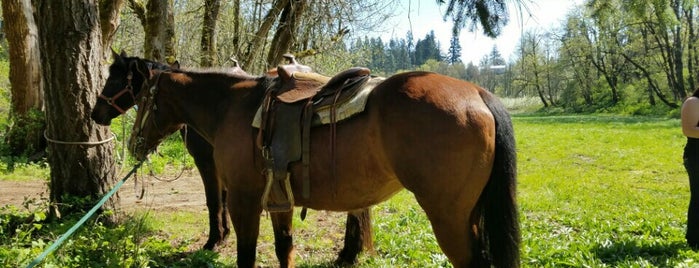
(318, 241)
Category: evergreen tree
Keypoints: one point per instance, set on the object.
(454, 55)
(495, 58)
(426, 49)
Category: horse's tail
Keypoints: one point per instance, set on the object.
(498, 222)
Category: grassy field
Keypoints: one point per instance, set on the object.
(594, 191)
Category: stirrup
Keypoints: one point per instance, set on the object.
(287, 204)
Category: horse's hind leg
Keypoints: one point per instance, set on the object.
(283, 238)
(358, 234)
(452, 228)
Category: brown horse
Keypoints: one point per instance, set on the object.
(449, 142)
(126, 77)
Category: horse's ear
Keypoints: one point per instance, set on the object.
(116, 58)
(123, 54)
(175, 65)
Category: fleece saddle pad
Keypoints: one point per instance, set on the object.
(343, 111)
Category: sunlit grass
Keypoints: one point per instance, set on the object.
(593, 191)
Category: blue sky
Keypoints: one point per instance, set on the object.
(421, 16)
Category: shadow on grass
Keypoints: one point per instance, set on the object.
(198, 258)
(596, 119)
(329, 264)
(621, 252)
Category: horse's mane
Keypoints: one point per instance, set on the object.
(125, 61)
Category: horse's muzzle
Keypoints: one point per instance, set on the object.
(101, 118)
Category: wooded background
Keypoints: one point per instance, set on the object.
(635, 57)
(58, 53)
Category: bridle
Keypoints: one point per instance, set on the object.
(128, 89)
(148, 108)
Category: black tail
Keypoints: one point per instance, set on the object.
(498, 226)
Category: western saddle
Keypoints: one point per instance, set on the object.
(287, 116)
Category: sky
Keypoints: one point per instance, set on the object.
(421, 16)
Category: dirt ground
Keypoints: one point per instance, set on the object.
(186, 193)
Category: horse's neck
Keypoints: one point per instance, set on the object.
(205, 106)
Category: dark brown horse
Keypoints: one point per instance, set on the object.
(449, 142)
(126, 77)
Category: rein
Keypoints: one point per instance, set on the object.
(128, 89)
(138, 126)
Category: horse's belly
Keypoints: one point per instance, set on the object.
(347, 175)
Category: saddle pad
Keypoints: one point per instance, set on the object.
(354, 106)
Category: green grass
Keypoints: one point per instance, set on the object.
(171, 157)
(594, 191)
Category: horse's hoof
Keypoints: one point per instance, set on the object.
(226, 232)
(343, 262)
(210, 245)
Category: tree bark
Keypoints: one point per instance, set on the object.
(70, 40)
(208, 33)
(284, 36)
(159, 30)
(255, 45)
(109, 21)
(25, 136)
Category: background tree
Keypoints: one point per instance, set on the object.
(70, 47)
(158, 24)
(208, 33)
(285, 35)
(492, 15)
(25, 136)
(427, 49)
(454, 53)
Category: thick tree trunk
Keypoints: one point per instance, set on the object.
(208, 33)
(25, 136)
(71, 52)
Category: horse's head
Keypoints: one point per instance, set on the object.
(126, 76)
(153, 122)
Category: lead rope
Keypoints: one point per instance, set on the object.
(184, 160)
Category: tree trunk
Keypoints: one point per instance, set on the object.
(159, 30)
(255, 46)
(25, 136)
(284, 36)
(208, 33)
(109, 21)
(70, 41)
(236, 29)
(691, 48)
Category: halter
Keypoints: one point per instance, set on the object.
(128, 89)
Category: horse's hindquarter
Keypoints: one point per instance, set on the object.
(429, 133)
(438, 135)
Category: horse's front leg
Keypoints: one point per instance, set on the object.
(202, 152)
(283, 237)
(246, 223)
